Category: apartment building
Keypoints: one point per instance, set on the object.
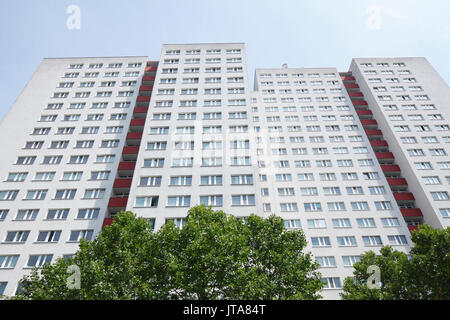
(158, 137)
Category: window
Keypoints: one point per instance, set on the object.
(349, 261)
(65, 194)
(346, 241)
(372, 240)
(36, 194)
(178, 201)
(359, 206)
(77, 235)
(38, 260)
(312, 206)
(336, 206)
(88, 214)
(212, 200)
(17, 236)
(57, 214)
(320, 241)
(211, 180)
(146, 201)
(397, 240)
(390, 222)
(292, 224)
(48, 236)
(212, 162)
(94, 194)
(242, 179)
(3, 214)
(366, 222)
(8, 262)
(326, 262)
(107, 158)
(153, 163)
(150, 181)
(82, 159)
(17, 176)
(180, 181)
(440, 195)
(341, 223)
(243, 200)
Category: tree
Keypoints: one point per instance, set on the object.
(214, 256)
(425, 274)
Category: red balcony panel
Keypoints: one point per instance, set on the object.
(368, 122)
(376, 143)
(411, 212)
(351, 85)
(107, 222)
(374, 132)
(127, 165)
(390, 168)
(145, 88)
(384, 155)
(148, 78)
(359, 102)
(130, 150)
(140, 110)
(397, 182)
(137, 122)
(116, 202)
(150, 69)
(413, 228)
(134, 135)
(122, 183)
(364, 112)
(143, 99)
(355, 94)
(345, 78)
(403, 196)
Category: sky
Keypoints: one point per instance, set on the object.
(301, 33)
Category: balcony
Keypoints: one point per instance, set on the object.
(404, 196)
(143, 99)
(130, 153)
(145, 90)
(107, 222)
(356, 95)
(374, 133)
(148, 80)
(347, 78)
(369, 123)
(411, 212)
(413, 228)
(117, 204)
(126, 168)
(359, 102)
(134, 138)
(384, 155)
(351, 86)
(151, 68)
(137, 125)
(397, 181)
(364, 114)
(122, 183)
(390, 168)
(140, 112)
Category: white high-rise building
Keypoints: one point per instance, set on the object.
(156, 138)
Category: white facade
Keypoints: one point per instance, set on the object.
(294, 147)
(410, 102)
(41, 125)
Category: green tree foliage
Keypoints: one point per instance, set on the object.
(214, 256)
(425, 275)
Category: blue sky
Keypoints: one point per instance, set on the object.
(307, 33)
